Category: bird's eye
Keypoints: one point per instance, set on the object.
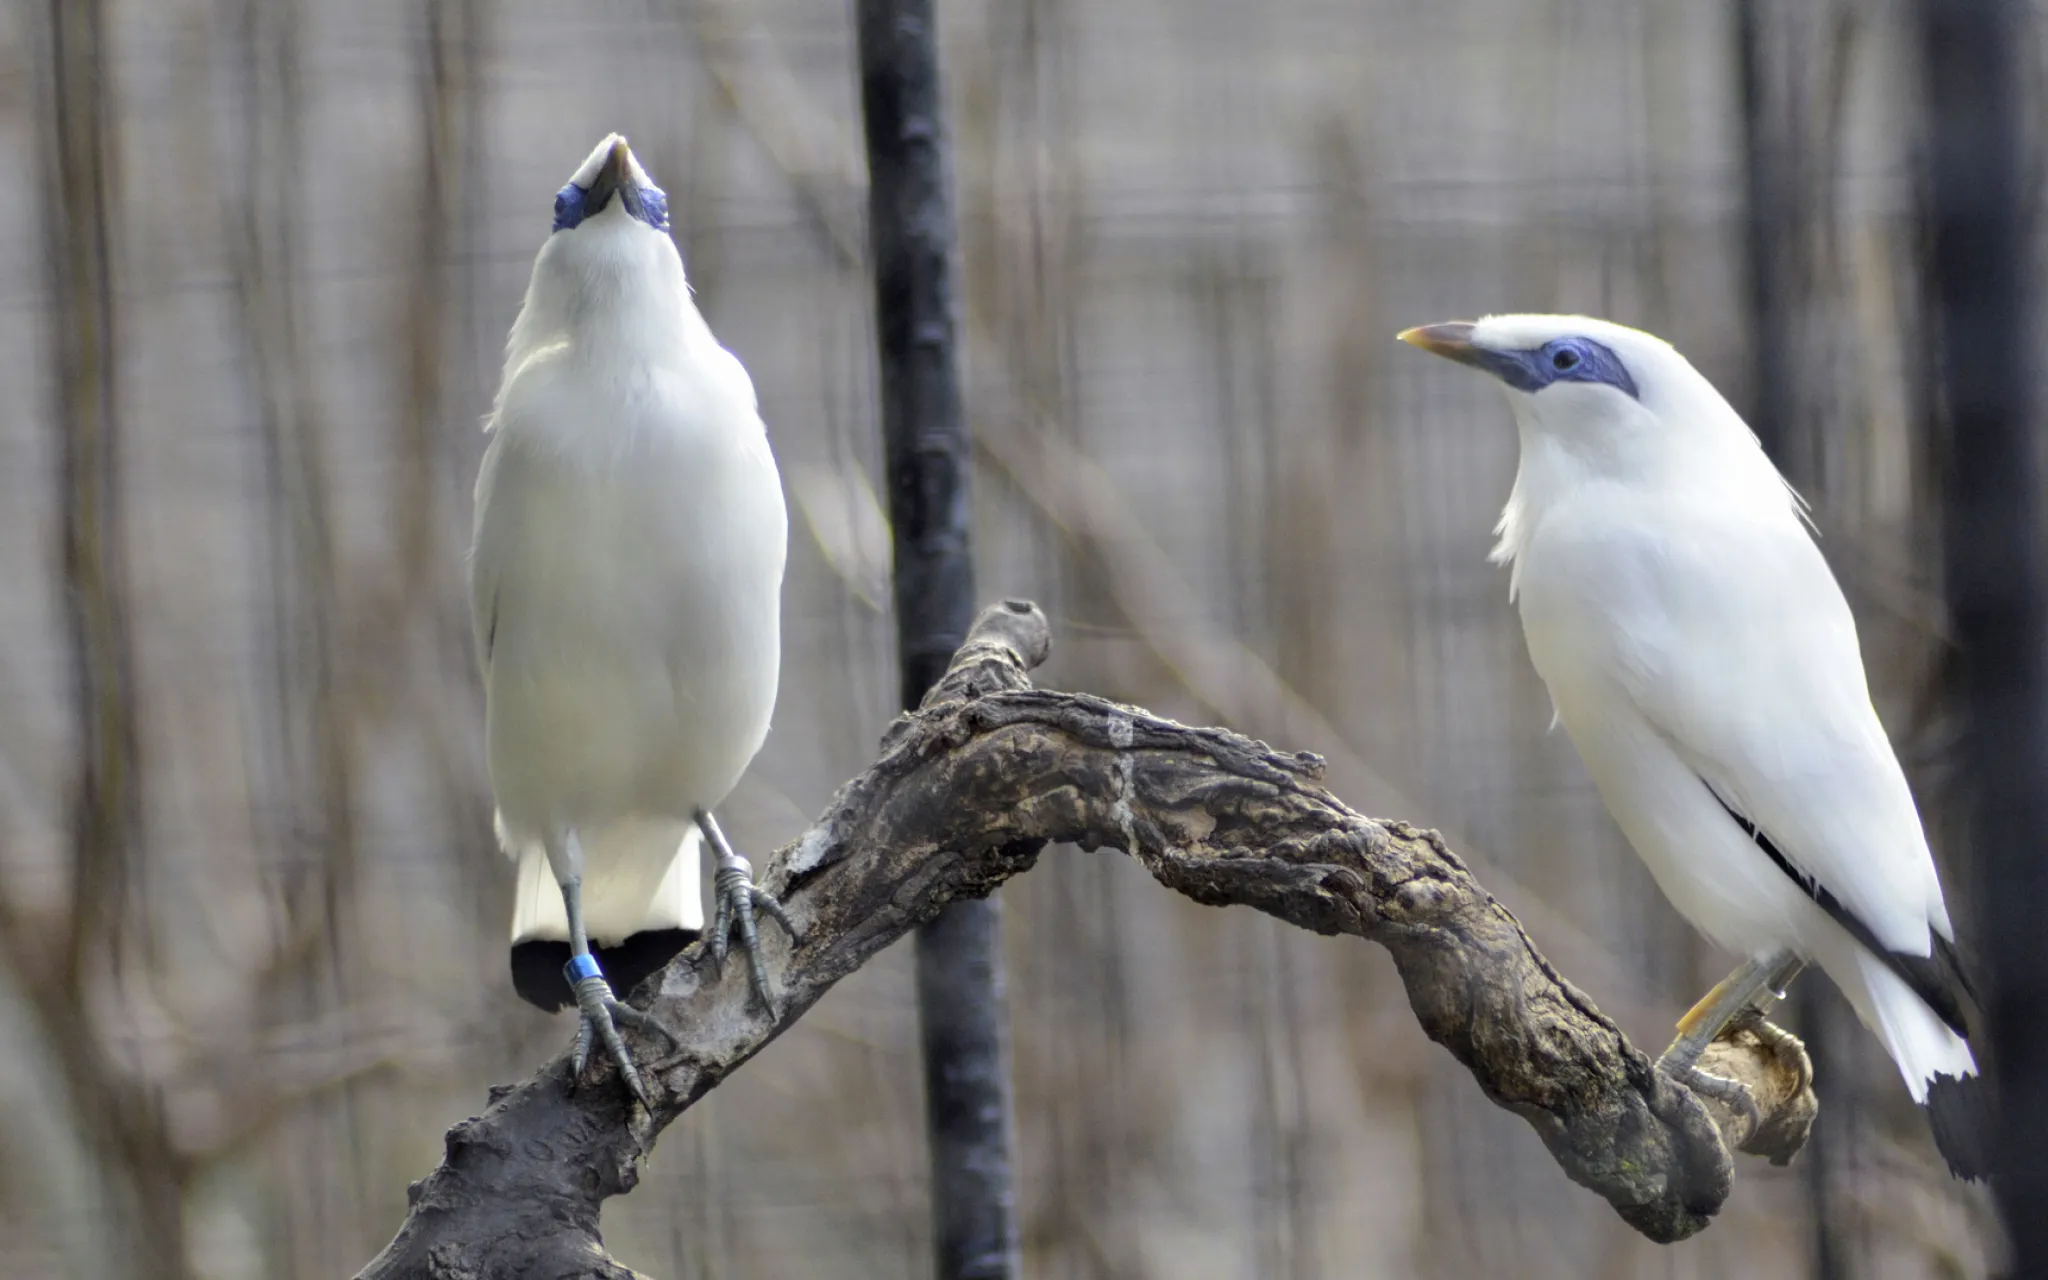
(1564, 359)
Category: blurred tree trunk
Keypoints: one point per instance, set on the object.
(1981, 255)
(143, 1175)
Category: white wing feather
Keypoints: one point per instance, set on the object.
(1728, 634)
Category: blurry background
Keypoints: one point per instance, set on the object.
(259, 258)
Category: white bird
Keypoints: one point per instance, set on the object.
(625, 591)
(1704, 662)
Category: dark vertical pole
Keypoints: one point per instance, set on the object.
(1768, 229)
(959, 955)
(1773, 276)
(1981, 263)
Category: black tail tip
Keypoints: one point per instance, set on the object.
(537, 965)
(1959, 1112)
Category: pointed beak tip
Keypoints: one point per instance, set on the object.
(1451, 340)
(613, 175)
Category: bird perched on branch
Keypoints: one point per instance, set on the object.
(625, 591)
(1704, 662)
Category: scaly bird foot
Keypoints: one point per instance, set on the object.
(738, 900)
(1788, 1049)
(602, 1015)
(1731, 1093)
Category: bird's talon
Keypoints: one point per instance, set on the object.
(641, 1021)
(615, 1045)
(1732, 1094)
(601, 1013)
(738, 899)
(765, 901)
(721, 921)
(581, 1056)
(1786, 1047)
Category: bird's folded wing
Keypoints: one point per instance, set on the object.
(1752, 673)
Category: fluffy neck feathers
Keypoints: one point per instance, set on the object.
(1698, 451)
(611, 290)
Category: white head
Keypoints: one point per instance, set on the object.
(609, 270)
(1618, 398)
(1597, 402)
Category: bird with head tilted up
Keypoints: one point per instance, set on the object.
(1704, 662)
(625, 591)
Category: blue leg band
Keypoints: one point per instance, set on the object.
(581, 967)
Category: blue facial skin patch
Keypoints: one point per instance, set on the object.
(1559, 360)
(569, 207)
(648, 204)
(581, 967)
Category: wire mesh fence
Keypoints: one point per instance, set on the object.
(259, 265)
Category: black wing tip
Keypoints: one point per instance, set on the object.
(1959, 1112)
(1940, 981)
(1939, 978)
(1950, 957)
(537, 965)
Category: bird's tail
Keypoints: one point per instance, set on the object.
(642, 904)
(1938, 1066)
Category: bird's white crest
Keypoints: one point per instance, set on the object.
(1705, 663)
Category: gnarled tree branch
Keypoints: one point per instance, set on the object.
(966, 792)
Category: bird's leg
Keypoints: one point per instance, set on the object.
(1706, 1014)
(600, 1011)
(1760, 979)
(1758, 983)
(1783, 1045)
(738, 900)
(1778, 975)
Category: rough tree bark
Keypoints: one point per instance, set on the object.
(966, 792)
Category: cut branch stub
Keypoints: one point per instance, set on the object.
(965, 793)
